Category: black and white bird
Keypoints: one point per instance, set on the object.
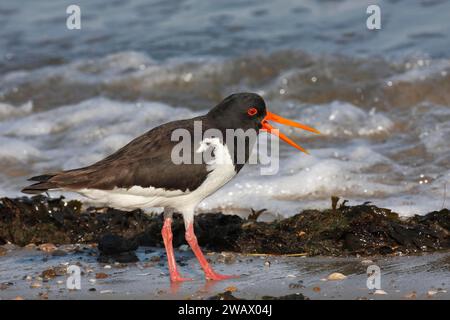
(143, 174)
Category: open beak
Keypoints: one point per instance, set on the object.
(276, 118)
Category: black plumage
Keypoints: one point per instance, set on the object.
(146, 160)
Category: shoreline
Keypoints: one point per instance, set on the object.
(121, 256)
(362, 230)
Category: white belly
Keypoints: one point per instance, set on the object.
(221, 170)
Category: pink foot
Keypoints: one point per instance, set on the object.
(210, 274)
(179, 278)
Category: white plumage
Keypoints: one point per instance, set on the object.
(221, 170)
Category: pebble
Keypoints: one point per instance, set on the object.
(43, 295)
(316, 289)
(107, 266)
(155, 259)
(231, 289)
(380, 292)
(366, 262)
(226, 257)
(101, 275)
(183, 247)
(47, 247)
(60, 270)
(106, 291)
(297, 285)
(48, 274)
(5, 285)
(92, 280)
(18, 298)
(336, 276)
(438, 290)
(431, 293)
(301, 234)
(411, 295)
(35, 285)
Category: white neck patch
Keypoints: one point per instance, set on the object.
(215, 153)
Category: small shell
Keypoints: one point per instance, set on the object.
(379, 291)
(336, 276)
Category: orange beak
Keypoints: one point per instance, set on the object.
(276, 118)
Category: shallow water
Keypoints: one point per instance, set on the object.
(380, 98)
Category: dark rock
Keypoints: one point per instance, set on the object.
(296, 285)
(114, 248)
(5, 285)
(113, 244)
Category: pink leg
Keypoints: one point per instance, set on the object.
(167, 238)
(209, 272)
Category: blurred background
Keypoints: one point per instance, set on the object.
(380, 97)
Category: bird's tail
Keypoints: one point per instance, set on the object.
(68, 180)
(43, 184)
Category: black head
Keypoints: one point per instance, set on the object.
(239, 111)
(248, 111)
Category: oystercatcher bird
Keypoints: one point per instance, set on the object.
(143, 173)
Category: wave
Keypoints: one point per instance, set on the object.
(384, 123)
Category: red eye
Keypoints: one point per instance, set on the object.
(252, 111)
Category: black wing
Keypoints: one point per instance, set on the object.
(145, 161)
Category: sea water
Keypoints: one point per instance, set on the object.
(380, 98)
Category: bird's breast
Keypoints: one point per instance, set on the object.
(219, 162)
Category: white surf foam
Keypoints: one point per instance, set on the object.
(352, 159)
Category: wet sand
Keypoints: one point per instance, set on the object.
(402, 277)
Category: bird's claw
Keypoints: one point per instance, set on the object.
(179, 278)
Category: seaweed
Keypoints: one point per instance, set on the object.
(345, 230)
